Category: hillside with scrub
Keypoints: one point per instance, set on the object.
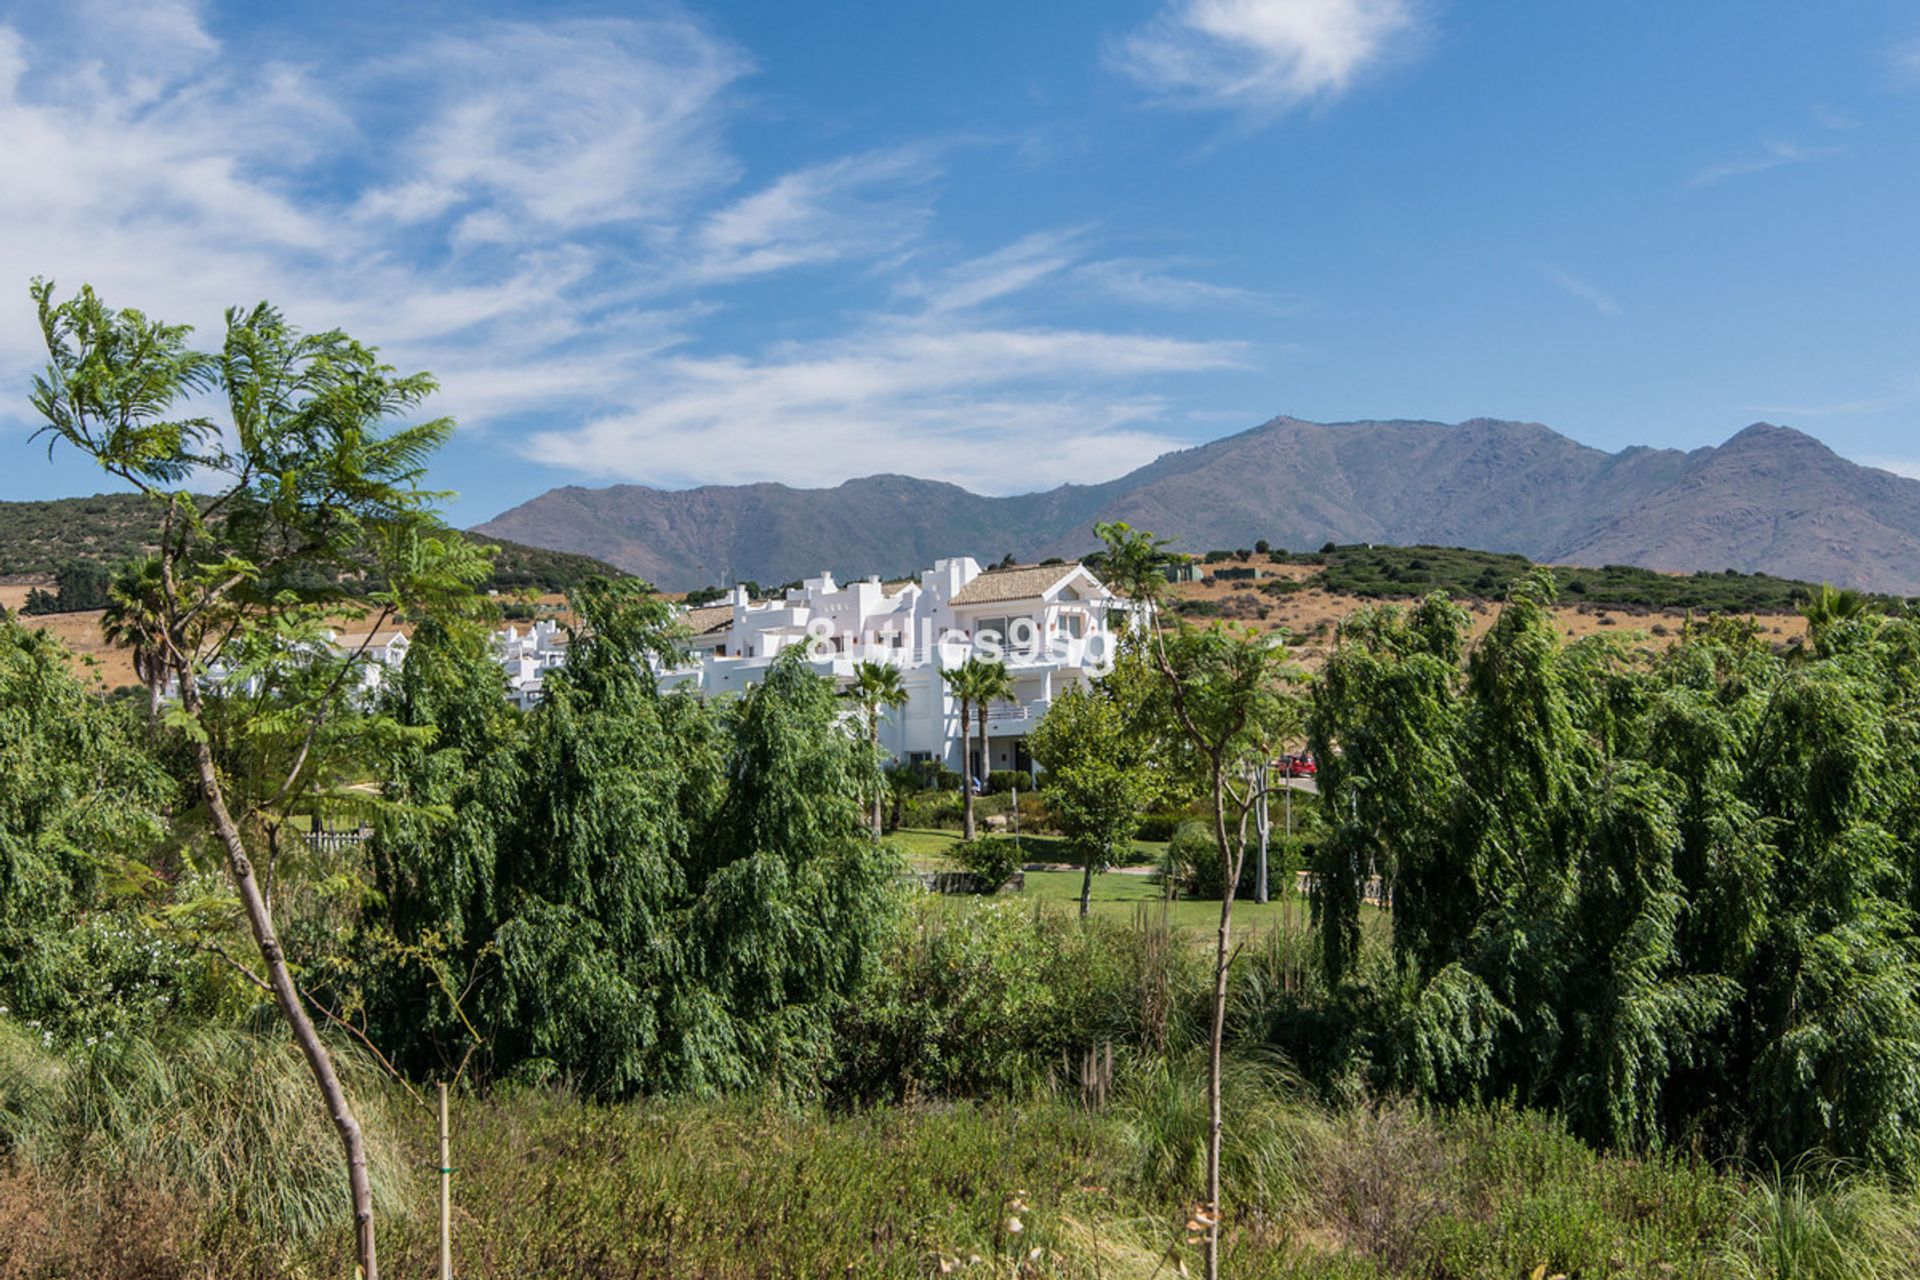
(40, 539)
(1587, 956)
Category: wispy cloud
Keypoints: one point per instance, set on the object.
(1264, 56)
(856, 207)
(1002, 273)
(1591, 294)
(553, 218)
(1902, 396)
(1908, 467)
(1905, 60)
(1156, 283)
(995, 409)
(1772, 156)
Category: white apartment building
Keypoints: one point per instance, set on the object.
(527, 656)
(1050, 624)
(379, 655)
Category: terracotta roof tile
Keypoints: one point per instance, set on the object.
(1016, 582)
(708, 619)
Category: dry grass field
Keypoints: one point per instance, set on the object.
(1310, 615)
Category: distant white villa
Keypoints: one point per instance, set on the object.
(1049, 623)
(528, 656)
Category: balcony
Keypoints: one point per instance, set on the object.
(1015, 715)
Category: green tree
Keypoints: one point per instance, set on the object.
(82, 811)
(973, 684)
(1830, 608)
(311, 483)
(992, 683)
(136, 602)
(1224, 693)
(83, 586)
(876, 689)
(1099, 778)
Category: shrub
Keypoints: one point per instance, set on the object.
(937, 777)
(1193, 860)
(931, 809)
(993, 858)
(1001, 781)
(1160, 826)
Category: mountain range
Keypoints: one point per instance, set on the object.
(1771, 499)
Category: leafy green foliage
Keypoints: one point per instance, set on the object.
(651, 893)
(82, 811)
(994, 859)
(1669, 896)
(1098, 745)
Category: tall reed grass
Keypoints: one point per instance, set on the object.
(228, 1120)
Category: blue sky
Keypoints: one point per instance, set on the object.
(1008, 245)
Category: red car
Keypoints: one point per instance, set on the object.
(1297, 766)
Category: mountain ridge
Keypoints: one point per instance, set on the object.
(1770, 498)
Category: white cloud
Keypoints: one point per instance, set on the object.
(1908, 467)
(565, 126)
(1159, 284)
(995, 409)
(823, 213)
(1906, 393)
(1906, 63)
(550, 219)
(1594, 296)
(1264, 56)
(1772, 156)
(154, 42)
(1000, 274)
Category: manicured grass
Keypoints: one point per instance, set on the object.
(1117, 894)
(927, 847)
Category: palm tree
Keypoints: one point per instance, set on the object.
(1830, 608)
(961, 681)
(135, 600)
(994, 684)
(876, 687)
(978, 684)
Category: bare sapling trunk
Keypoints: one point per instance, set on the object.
(1230, 859)
(1086, 885)
(285, 993)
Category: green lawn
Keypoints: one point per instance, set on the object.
(1114, 894)
(926, 847)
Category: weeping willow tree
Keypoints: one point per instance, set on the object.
(1669, 896)
(636, 891)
